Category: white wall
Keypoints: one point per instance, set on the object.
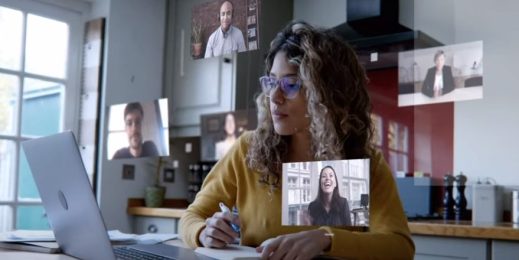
(490, 124)
(405, 11)
(485, 131)
(486, 142)
(135, 36)
(100, 8)
(436, 19)
(324, 13)
(485, 139)
(133, 71)
(485, 145)
(195, 87)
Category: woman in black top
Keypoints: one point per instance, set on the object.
(439, 80)
(329, 208)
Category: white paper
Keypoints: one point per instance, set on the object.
(149, 238)
(231, 252)
(114, 235)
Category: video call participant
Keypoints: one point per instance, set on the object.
(329, 208)
(133, 115)
(439, 80)
(314, 107)
(227, 38)
(224, 145)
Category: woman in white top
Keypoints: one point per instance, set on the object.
(230, 137)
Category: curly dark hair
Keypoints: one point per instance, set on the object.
(338, 102)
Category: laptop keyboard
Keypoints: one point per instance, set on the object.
(130, 253)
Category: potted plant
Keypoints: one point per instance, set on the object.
(155, 193)
(196, 38)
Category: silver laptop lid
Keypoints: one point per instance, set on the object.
(67, 196)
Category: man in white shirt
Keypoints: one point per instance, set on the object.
(227, 38)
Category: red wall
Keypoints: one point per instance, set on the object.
(431, 127)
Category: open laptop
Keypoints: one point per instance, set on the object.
(71, 208)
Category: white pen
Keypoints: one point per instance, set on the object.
(225, 209)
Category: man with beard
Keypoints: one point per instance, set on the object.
(133, 115)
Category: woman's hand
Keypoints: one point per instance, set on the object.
(218, 231)
(301, 245)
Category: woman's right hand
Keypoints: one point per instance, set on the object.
(218, 231)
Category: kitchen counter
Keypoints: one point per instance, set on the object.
(465, 229)
(462, 229)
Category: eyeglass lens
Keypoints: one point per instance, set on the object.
(289, 85)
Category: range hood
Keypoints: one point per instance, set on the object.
(373, 26)
(371, 19)
(373, 31)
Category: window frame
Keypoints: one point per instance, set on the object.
(384, 144)
(71, 13)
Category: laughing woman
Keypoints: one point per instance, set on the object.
(329, 208)
(314, 106)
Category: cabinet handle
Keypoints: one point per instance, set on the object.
(152, 228)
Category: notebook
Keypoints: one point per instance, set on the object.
(231, 252)
(40, 247)
(70, 205)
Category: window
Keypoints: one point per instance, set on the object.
(377, 127)
(305, 166)
(395, 144)
(306, 190)
(298, 181)
(355, 181)
(164, 121)
(292, 182)
(346, 187)
(354, 170)
(397, 137)
(38, 97)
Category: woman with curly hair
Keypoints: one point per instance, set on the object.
(314, 106)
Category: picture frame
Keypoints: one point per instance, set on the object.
(168, 175)
(128, 172)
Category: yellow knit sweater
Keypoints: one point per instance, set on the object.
(233, 183)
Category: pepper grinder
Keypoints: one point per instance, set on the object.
(461, 201)
(448, 200)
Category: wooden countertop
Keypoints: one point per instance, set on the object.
(465, 229)
(156, 212)
(462, 229)
(171, 208)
